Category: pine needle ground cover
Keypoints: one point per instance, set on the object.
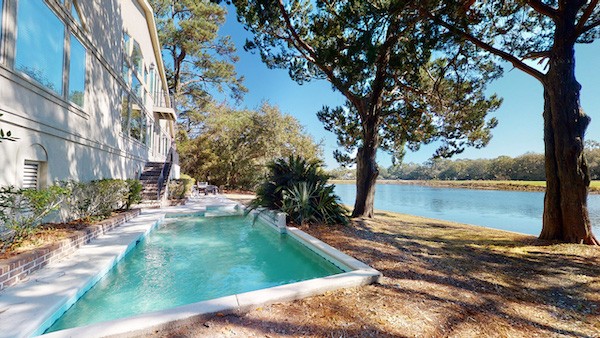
(441, 279)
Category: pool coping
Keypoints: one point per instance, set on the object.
(30, 323)
(33, 305)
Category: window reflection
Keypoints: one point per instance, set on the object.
(77, 72)
(75, 12)
(126, 39)
(38, 29)
(136, 86)
(138, 125)
(136, 57)
(1, 11)
(125, 112)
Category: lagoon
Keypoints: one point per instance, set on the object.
(518, 211)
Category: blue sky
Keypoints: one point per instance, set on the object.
(520, 117)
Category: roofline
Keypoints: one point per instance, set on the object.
(156, 45)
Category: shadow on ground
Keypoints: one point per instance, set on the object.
(440, 279)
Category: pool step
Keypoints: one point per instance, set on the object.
(223, 210)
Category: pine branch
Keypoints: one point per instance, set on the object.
(486, 46)
(383, 60)
(580, 28)
(590, 27)
(311, 56)
(543, 9)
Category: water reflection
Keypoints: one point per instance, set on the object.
(507, 210)
(437, 205)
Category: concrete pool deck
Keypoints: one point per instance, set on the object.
(30, 307)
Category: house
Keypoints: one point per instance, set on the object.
(83, 88)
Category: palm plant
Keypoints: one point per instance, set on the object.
(299, 188)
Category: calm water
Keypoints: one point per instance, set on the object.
(507, 210)
(195, 259)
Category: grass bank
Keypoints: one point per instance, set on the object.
(440, 279)
(476, 184)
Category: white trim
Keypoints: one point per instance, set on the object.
(156, 44)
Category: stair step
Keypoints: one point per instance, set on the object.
(151, 173)
(150, 181)
(150, 178)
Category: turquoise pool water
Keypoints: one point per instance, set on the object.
(188, 260)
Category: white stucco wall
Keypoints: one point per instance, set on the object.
(80, 143)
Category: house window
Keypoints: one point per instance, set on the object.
(125, 71)
(125, 112)
(77, 72)
(137, 125)
(146, 75)
(152, 81)
(75, 12)
(126, 40)
(126, 67)
(136, 57)
(1, 13)
(150, 138)
(134, 121)
(40, 44)
(136, 86)
(144, 129)
(31, 175)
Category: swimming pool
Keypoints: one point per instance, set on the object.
(32, 306)
(192, 259)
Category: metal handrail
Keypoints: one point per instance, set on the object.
(165, 172)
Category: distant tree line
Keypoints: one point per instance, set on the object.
(527, 167)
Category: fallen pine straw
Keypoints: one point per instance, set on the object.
(441, 279)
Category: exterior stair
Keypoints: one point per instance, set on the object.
(151, 181)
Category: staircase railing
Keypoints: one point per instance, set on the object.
(165, 173)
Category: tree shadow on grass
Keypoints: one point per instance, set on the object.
(497, 271)
(438, 282)
(280, 325)
(491, 308)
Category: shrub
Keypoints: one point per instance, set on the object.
(176, 189)
(78, 200)
(134, 194)
(299, 188)
(109, 195)
(22, 210)
(96, 199)
(188, 183)
(181, 188)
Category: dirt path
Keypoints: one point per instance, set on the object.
(441, 279)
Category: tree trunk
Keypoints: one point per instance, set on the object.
(566, 215)
(366, 170)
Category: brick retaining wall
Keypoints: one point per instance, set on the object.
(18, 268)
